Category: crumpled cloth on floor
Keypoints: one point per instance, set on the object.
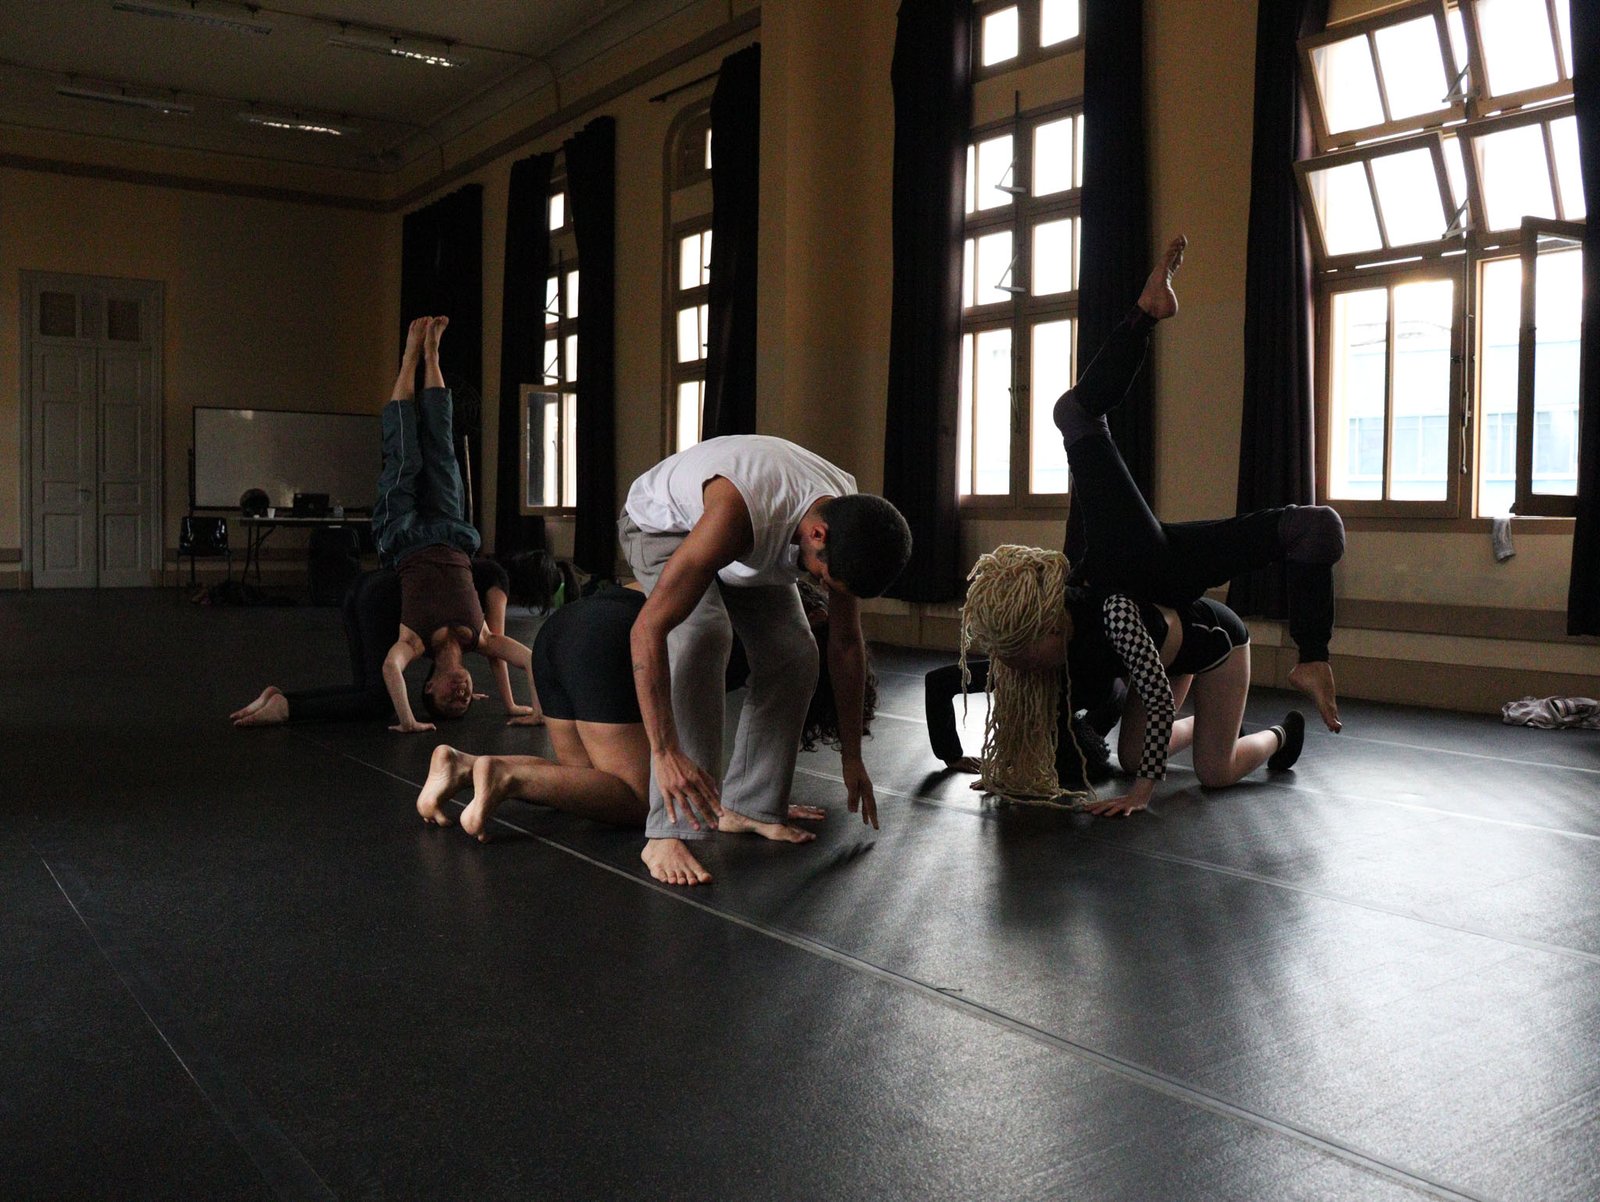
(1552, 713)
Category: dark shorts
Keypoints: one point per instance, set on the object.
(582, 661)
(1211, 631)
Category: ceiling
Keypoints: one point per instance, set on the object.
(390, 109)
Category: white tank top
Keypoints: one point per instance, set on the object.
(778, 480)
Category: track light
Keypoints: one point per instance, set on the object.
(189, 12)
(400, 46)
(297, 124)
(124, 100)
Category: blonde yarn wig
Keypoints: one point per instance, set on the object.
(1014, 598)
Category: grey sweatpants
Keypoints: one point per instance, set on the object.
(783, 674)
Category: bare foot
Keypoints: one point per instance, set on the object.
(807, 813)
(435, 331)
(491, 784)
(1315, 680)
(267, 694)
(670, 863)
(273, 711)
(416, 332)
(732, 823)
(967, 763)
(1158, 299)
(447, 774)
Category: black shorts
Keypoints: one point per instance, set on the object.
(1210, 633)
(582, 661)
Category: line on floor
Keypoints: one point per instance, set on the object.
(287, 1173)
(1555, 949)
(1127, 1069)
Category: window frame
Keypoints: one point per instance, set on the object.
(1529, 503)
(1482, 102)
(1023, 311)
(686, 209)
(1544, 116)
(1030, 26)
(561, 263)
(679, 299)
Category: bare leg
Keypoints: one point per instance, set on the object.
(432, 377)
(448, 773)
(586, 792)
(267, 694)
(405, 384)
(1221, 757)
(671, 863)
(1315, 680)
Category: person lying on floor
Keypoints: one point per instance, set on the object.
(371, 612)
(583, 664)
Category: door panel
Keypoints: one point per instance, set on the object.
(64, 466)
(125, 401)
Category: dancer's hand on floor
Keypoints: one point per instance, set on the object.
(413, 727)
(1136, 799)
(859, 791)
(525, 715)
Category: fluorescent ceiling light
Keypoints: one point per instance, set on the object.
(191, 14)
(123, 100)
(400, 46)
(297, 124)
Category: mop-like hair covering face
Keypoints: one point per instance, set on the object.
(1014, 598)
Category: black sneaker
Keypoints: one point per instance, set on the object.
(1291, 740)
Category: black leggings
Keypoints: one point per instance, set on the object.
(371, 620)
(1173, 563)
(942, 686)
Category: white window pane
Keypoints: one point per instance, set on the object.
(1517, 48)
(689, 340)
(1348, 85)
(572, 357)
(689, 262)
(550, 452)
(1053, 156)
(968, 266)
(1408, 193)
(1050, 376)
(1564, 22)
(1558, 305)
(1058, 21)
(552, 300)
(572, 294)
(1358, 369)
(1413, 68)
(569, 450)
(1055, 267)
(703, 316)
(691, 396)
(708, 150)
(1077, 153)
(1564, 136)
(993, 269)
(705, 257)
(552, 361)
(992, 412)
(972, 180)
(994, 172)
(1344, 209)
(558, 210)
(1000, 34)
(1423, 314)
(1499, 321)
(1456, 168)
(964, 421)
(1515, 176)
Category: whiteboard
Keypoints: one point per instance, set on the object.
(284, 452)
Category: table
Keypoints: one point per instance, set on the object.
(257, 530)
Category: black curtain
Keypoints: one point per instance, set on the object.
(932, 78)
(1583, 593)
(1277, 437)
(591, 156)
(1116, 221)
(521, 345)
(441, 272)
(735, 225)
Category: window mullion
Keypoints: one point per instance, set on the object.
(1388, 399)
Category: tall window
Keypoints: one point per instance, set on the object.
(1019, 304)
(550, 405)
(688, 272)
(1015, 33)
(1445, 211)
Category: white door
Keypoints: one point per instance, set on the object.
(94, 392)
(65, 549)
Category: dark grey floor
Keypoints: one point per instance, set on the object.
(236, 965)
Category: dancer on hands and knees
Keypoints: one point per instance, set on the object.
(1173, 563)
(420, 527)
(717, 535)
(583, 663)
